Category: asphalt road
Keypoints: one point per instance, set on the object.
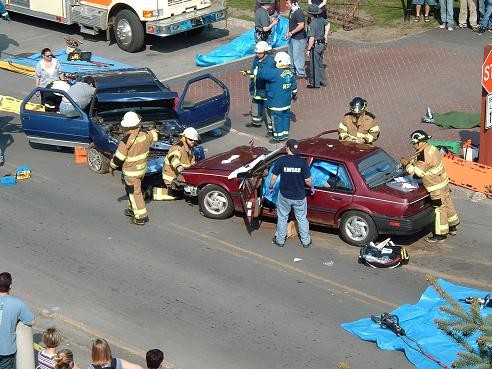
(208, 293)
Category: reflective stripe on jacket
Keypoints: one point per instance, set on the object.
(427, 164)
(178, 156)
(133, 151)
(365, 127)
(257, 87)
(281, 84)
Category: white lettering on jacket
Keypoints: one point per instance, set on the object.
(292, 170)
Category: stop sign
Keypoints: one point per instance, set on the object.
(487, 73)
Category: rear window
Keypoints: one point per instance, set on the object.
(379, 168)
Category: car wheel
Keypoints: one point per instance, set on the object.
(215, 202)
(358, 228)
(97, 161)
(128, 31)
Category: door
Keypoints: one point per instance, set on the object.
(204, 103)
(334, 190)
(53, 127)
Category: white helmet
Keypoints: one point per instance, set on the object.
(262, 47)
(282, 59)
(190, 133)
(130, 120)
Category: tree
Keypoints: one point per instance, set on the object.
(461, 325)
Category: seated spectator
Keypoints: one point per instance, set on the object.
(102, 358)
(418, 6)
(154, 359)
(64, 359)
(81, 93)
(51, 339)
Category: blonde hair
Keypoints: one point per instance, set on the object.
(63, 359)
(52, 337)
(101, 353)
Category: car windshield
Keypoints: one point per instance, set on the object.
(379, 168)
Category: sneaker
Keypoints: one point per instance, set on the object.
(490, 29)
(274, 241)
(480, 31)
(436, 238)
(128, 212)
(450, 28)
(442, 26)
(140, 222)
(308, 244)
(462, 26)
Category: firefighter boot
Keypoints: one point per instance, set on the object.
(140, 222)
(128, 213)
(453, 230)
(436, 238)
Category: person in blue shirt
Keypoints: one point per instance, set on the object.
(281, 88)
(294, 174)
(257, 87)
(12, 311)
(3, 12)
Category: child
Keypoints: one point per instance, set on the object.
(64, 359)
(51, 339)
(154, 359)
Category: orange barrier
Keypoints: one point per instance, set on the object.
(80, 155)
(468, 174)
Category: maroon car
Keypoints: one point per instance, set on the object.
(356, 190)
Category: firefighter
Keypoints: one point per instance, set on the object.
(281, 89)
(179, 157)
(426, 163)
(3, 12)
(359, 125)
(257, 87)
(131, 156)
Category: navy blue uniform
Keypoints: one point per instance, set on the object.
(293, 170)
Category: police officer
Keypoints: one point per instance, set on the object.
(3, 12)
(281, 89)
(263, 22)
(427, 164)
(317, 39)
(359, 125)
(294, 176)
(131, 156)
(179, 157)
(257, 87)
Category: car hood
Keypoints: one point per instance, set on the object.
(229, 161)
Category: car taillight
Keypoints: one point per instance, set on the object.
(176, 102)
(393, 223)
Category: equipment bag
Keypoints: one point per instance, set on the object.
(384, 255)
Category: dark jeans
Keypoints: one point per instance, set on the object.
(7, 362)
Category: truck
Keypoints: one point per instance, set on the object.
(127, 21)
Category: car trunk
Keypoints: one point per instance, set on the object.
(415, 200)
(231, 160)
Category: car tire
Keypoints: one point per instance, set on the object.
(97, 161)
(128, 31)
(215, 202)
(357, 228)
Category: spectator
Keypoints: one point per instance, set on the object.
(322, 5)
(297, 38)
(51, 339)
(294, 175)
(81, 93)
(154, 359)
(102, 358)
(64, 359)
(48, 70)
(264, 23)
(486, 21)
(12, 310)
(447, 14)
(418, 6)
(468, 6)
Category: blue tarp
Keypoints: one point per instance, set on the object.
(74, 66)
(241, 46)
(418, 322)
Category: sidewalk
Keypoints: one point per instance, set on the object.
(399, 79)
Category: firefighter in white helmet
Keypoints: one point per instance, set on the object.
(179, 157)
(131, 156)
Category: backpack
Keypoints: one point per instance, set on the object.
(384, 255)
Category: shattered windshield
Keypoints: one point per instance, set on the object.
(379, 168)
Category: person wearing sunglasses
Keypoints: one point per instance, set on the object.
(48, 70)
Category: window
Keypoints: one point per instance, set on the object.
(330, 175)
(379, 168)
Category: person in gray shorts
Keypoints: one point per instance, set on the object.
(418, 6)
(81, 93)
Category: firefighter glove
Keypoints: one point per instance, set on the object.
(111, 171)
(244, 73)
(6, 16)
(294, 96)
(176, 184)
(404, 161)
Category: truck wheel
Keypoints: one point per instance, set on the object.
(97, 161)
(128, 31)
(357, 228)
(215, 202)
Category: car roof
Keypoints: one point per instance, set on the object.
(334, 149)
(140, 78)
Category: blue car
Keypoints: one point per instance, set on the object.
(203, 104)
